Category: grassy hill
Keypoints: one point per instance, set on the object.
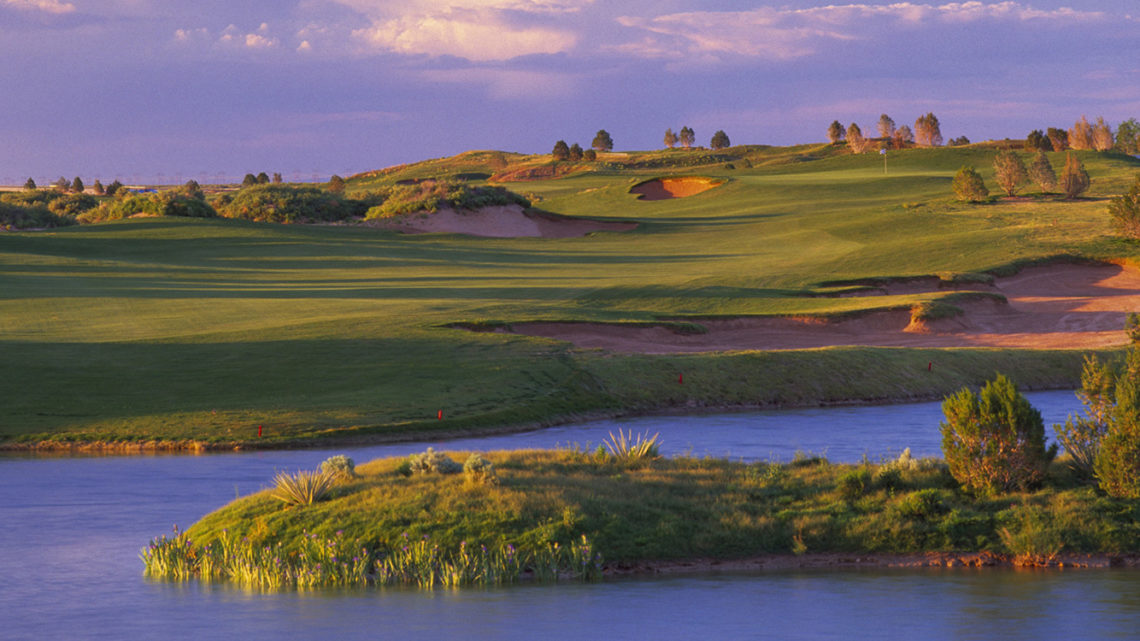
(175, 329)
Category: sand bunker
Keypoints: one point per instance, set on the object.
(507, 221)
(1062, 306)
(666, 188)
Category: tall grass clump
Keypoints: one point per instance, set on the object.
(302, 488)
(625, 447)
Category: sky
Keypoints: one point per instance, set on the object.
(168, 90)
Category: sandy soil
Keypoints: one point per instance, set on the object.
(1061, 306)
(666, 188)
(508, 221)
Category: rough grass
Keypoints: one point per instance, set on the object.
(204, 329)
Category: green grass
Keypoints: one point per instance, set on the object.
(676, 509)
(171, 329)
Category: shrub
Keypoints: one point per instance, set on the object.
(431, 196)
(1132, 327)
(34, 217)
(1041, 172)
(302, 488)
(1081, 436)
(1031, 536)
(433, 462)
(1074, 179)
(284, 204)
(854, 483)
(968, 185)
(1009, 171)
(1117, 462)
(166, 203)
(994, 441)
(340, 467)
(1125, 212)
(923, 504)
(479, 471)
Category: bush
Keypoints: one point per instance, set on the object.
(340, 467)
(969, 187)
(479, 471)
(14, 216)
(1081, 436)
(431, 196)
(284, 204)
(1117, 462)
(1074, 179)
(994, 441)
(166, 203)
(433, 462)
(854, 483)
(1125, 212)
(1009, 172)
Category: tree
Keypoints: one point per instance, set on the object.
(77, 185)
(263, 178)
(687, 137)
(1117, 462)
(193, 190)
(1081, 435)
(968, 185)
(1036, 140)
(1102, 139)
(903, 136)
(249, 180)
(561, 150)
(994, 441)
(1074, 178)
(835, 132)
(670, 138)
(720, 140)
(1058, 138)
(114, 187)
(1009, 172)
(62, 184)
(575, 152)
(855, 139)
(1081, 136)
(336, 184)
(960, 141)
(928, 131)
(276, 180)
(590, 155)
(886, 126)
(1125, 211)
(30, 185)
(98, 188)
(1041, 172)
(1128, 136)
(602, 141)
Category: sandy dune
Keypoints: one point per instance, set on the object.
(1062, 306)
(666, 188)
(508, 221)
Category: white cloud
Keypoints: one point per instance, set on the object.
(391, 8)
(784, 33)
(47, 6)
(474, 35)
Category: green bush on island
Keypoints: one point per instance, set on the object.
(284, 204)
(13, 216)
(171, 202)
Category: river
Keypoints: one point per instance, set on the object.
(71, 529)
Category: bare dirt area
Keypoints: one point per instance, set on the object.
(667, 188)
(508, 221)
(1060, 306)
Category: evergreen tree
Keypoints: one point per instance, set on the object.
(602, 141)
(720, 140)
(687, 137)
(561, 150)
(835, 132)
(276, 178)
(77, 185)
(575, 152)
(1074, 179)
(114, 187)
(1041, 172)
(1037, 140)
(62, 184)
(249, 180)
(670, 138)
(193, 190)
(30, 185)
(1128, 136)
(263, 178)
(1117, 463)
(1058, 138)
(336, 184)
(590, 155)
(98, 188)
(1125, 211)
(994, 441)
(1009, 172)
(968, 185)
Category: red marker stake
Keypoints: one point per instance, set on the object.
(258, 431)
(439, 415)
(930, 366)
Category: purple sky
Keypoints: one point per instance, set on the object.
(174, 89)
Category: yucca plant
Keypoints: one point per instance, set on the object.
(302, 488)
(625, 447)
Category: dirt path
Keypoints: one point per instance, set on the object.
(1063, 306)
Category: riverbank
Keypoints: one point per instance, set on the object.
(655, 516)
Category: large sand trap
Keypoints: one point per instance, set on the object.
(666, 188)
(1062, 306)
(507, 221)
